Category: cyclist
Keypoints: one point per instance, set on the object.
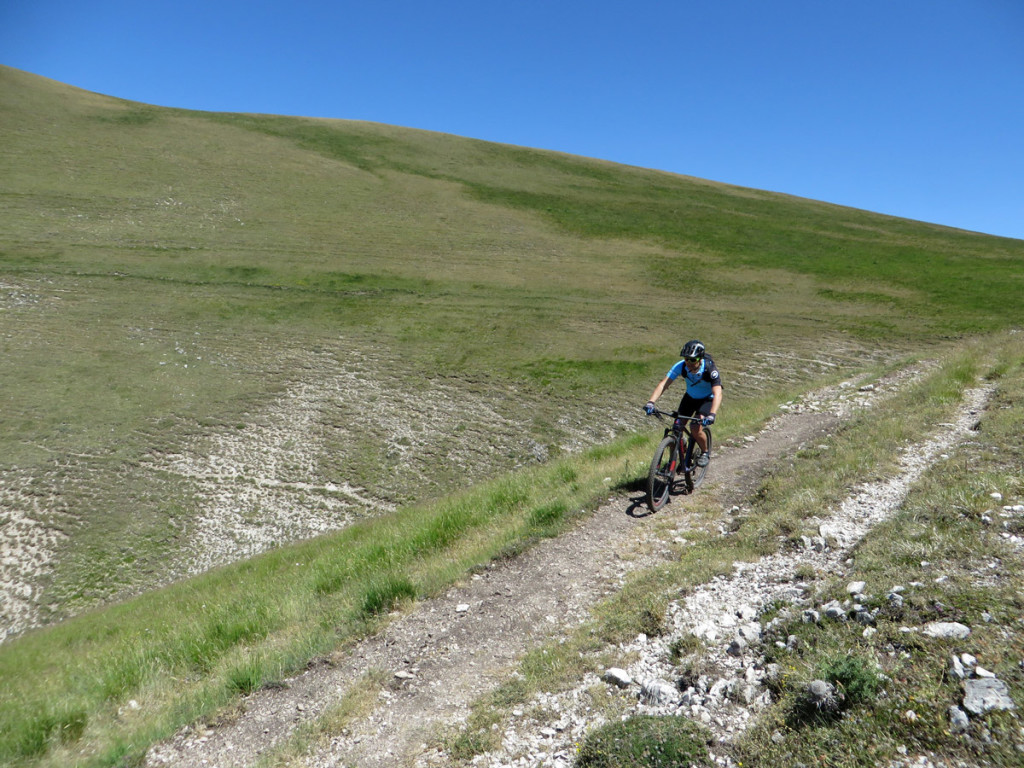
(703, 391)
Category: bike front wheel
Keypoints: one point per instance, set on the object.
(662, 474)
(694, 472)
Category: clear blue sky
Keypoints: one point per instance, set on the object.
(909, 107)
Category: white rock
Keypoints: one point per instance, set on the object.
(691, 698)
(657, 692)
(986, 694)
(956, 669)
(958, 722)
(619, 677)
(951, 630)
(721, 689)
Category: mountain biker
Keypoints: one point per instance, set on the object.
(703, 391)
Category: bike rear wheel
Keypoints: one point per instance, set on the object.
(662, 474)
(694, 474)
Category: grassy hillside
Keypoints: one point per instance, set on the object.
(226, 332)
(266, 314)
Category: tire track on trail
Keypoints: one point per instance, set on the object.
(449, 650)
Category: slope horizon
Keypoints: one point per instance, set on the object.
(370, 122)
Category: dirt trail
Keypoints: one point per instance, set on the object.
(450, 649)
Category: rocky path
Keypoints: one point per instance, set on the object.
(723, 614)
(448, 651)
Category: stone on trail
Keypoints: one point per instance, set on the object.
(618, 677)
(657, 692)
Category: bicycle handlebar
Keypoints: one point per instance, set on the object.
(675, 415)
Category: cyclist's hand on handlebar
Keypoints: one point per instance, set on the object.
(708, 420)
(649, 408)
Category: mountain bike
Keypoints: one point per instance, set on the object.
(677, 454)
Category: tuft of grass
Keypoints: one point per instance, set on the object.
(858, 679)
(382, 596)
(645, 741)
(246, 676)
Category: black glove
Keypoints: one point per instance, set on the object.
(708, 420)
(649, 408)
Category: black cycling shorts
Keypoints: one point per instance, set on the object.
(688, 406)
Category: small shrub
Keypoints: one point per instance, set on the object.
(646, 741)
(856, 677)
(853, 681)
(805, 572)
(652, 619)
(472, 742)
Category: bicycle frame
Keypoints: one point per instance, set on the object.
(675, 455)
(680, 431)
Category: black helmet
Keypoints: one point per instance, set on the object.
(692, 349)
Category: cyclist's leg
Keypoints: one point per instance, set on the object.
(703, 408)
(688, 407)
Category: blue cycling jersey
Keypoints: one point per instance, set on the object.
(699, 382)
